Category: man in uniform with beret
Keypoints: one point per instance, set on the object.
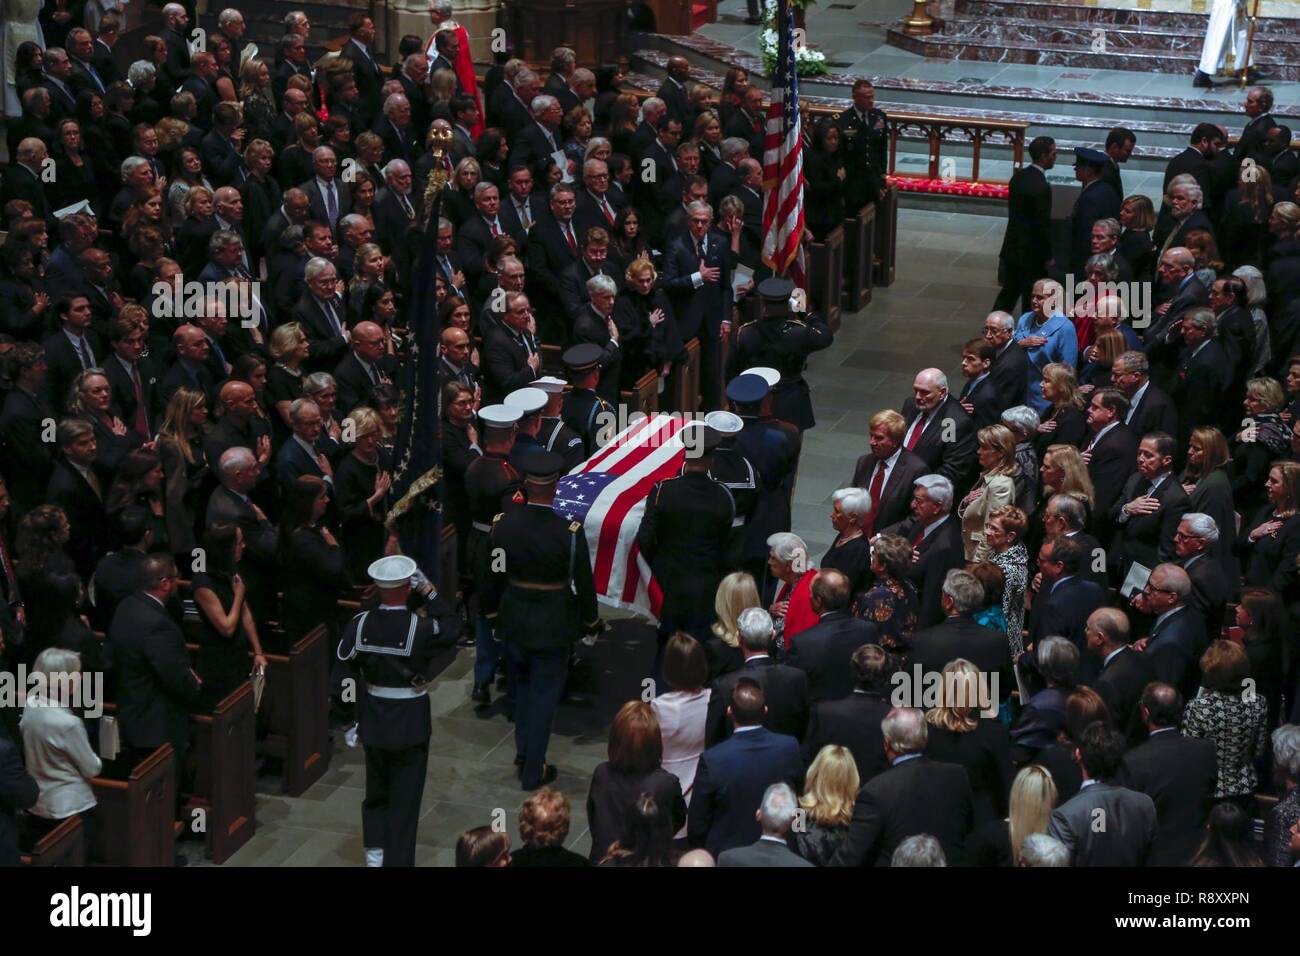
(736, 473)
(782, 341)
(554, 434)
(684, 536)
(394, 650)
(864, 135)
(584, 411)
(541, 597)
(491, 482)
(1097, 200)
(769, 450)
(529, 402)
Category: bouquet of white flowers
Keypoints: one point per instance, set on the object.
(808, 62)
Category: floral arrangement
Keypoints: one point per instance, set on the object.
(808, 62)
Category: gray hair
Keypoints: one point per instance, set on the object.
(1112, 226)
(905, 730)
(601, 285)
(1182, 179)
(1256, 292)
(1286, 749)
(652, 104)
(58, 666)
(697, 207)
(965, 591)
(393, 102)
(317, 382)
(1039, 849)
(938, 488)
(396, 166)
(541, 103)
(525, 77)
(1106, 263)
(1201, 526)
(131, 164)
(140, 72)
(1193, 191)
(595, 143)
(483, 186)
(234, 460)
(298, 406)
(1003, 320)
(1021, 418)
(754, 627)
(731, 147)
(1070, 510)
(854, 502)
(1058, 659)
(320, 151)
(788, 547)
(228, 15)
(1203, 319)
(777, 811)
(934, 376)
(1133, 361)
(441, 7)
(593, 166)
(222, 238)
(919, 850)
(351, 221)
(1175, 580)
(315, 267)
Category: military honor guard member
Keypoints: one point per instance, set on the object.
(864, 135)
(530, 402)
(541, 597)
(731, 469)
(583, 410)
(393, 650)
(491, 484)
(769, 449)
(554, 434)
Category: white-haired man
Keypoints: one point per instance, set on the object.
(939, 430)
(1197, 547)
(936, 542)
(776, 815)
(915, 795)
(785, 688)
(331, 197)
(394, 128)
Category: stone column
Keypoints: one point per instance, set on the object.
(478, 17)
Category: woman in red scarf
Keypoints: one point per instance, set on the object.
(787, 560)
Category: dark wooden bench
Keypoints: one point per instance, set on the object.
(224, 750)
(683, 389)
(136, 815)
(859, 256)
(65, 845)
(644, 398)
(826, 277)
(295, 702)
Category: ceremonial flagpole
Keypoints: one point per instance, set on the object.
(1250, 41)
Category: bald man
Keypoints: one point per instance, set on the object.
(939, 431)
(1124, 671)
(239, 425)
(455, 359)
(366, 366)
(22, 180)
(190, 368)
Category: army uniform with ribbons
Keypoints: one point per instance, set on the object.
(864, 143)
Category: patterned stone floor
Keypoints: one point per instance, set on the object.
(946, 266)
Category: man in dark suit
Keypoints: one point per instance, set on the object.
(697, 277)
(935, 536)
(750, 124)
(365, 366)
(521, 207)
(71, 350)
(133, 378)
(191, 366)
(1196, 537)
(732, 776)
(1204, 381)
(1130, 817)
(330, 197)
(673, 89)
(1097, 200)
(776, 815)
(659, 159)
(1206, 141)
(785, 688)
(1150, 409)
(887, 471)
(854, 721)
(1120, 142)
(553, 246)
(824, 650)
(1026, 254)
(81, 52)
(1110, 454)
(1283, 161)
(535, 143)
(239, 469)
(1178, 773)
(933, 648)
(394, 128)
(29, 460)
(594, 261)
(1148, 511)
(1235, 331)
(156, 686)
(1124, 671)
(239, 425)
(1182, 291)
(726, 175)
(939, 431)
(200, 84)
(23, 179)
(478, 231)
(916, 795)
(511, 359)
(1177, 636)
(1064, 600)
(292, 61)
(1067, 516)
(177, 65)
(35, 121)
(597, 204)
(397, 216)
(1186, 206)
(321, 313)
(298, 456)
(1253, 142)
(359, 49)
(222, 147)
(594, 324)
(1010, 368)
(979, 396)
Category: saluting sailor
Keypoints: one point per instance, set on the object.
(393, 650)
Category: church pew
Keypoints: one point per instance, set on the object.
(859, 253)
(295, 703)
(65, 845)
(645, 397)
(826, 277)
(136, 814)
(223, 748)
(886, 239)
(684, 382)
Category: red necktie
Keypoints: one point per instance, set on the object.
(917, 430)
(495, 231)
(918, 535)
(568, 236)
(141, 419)
(877, 487)
(609, 213)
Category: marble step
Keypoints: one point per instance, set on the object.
(1080, 56)
(1059, 12)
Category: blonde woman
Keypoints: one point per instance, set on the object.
(1065, 422)
(361, 483)
(185, 467)
(736, 592)
(1063, 472)
(998, 842)
(995, 489)
(963, 732)
(1209, 490)
(289, 348)
(829, 792)
(1005, 537)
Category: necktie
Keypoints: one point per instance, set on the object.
(493, 226)
(917, 430)
(568, 235)
(94, 75)
(918, 535)
(141, 419)
(333, 317)
(876, 490)
(609, 213)
(525, 215)
(372, 374)
(216, 350)
(406, 206)
(91, 480)
(83, 349)
(331, 204)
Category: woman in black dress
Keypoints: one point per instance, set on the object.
(491, 150)
(1137, 217)
(850, 552)
(627, 244)
(998, 842)
(824, 178)
(361, 484)
(829, 792)
(1264, 437)
(293, 165)
(313, 567)
(289, 349)
(74, 169)
(229, 631)
(186, 475)
(963, 732)
(23, 299)
(648, 336)
(1270, 543)
(92, 399)
(97, 141)
(368, 271)
(1065, 423)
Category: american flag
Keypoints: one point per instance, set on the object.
(783, 159)
(607, 493)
